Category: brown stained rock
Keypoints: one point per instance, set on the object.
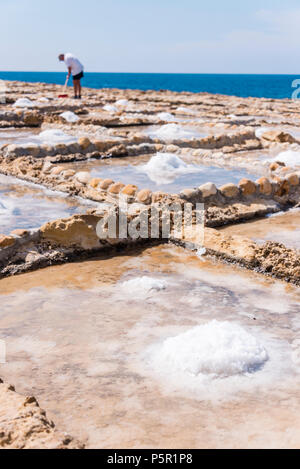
(283, 188)
(6, 241)
(233, 247)
(100, 145)
(78, 231)
(230, 191)
(95, 182)
(68, 173)
(116, 188)
(24, 425)
(274, 166)
(293, 179)
(32, 119)
(130, 190)
(145, 196)
(278, 136)
(20, 233)
(106, 183)
(84, 142)
(247, 187)
(158, 197)
(265, 186)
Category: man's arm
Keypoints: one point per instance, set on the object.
(69, 71)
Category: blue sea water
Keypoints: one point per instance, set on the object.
(260, 86)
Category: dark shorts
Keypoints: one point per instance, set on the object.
(79, 76)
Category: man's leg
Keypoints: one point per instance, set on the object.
(75, 88)
(79, 89)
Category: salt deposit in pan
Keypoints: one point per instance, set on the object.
(141, 286)
(110, 108)
(165, 168)
(218, 349)
(165, 116)
(122, 102)
(69, 116)
(171, 132)
(186, 110)
(259, 132)
(23, 102)
(290, 158)
(55, 136)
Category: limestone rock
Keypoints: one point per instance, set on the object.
(83, 176)
(247, 187)
(208, 189)
(229, 190)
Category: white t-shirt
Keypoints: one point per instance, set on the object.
(73, 62)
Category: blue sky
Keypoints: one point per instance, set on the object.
(188, 36)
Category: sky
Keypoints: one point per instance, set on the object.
(158, 36)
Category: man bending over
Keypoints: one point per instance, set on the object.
(75, 68)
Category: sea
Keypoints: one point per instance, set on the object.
(260, 86)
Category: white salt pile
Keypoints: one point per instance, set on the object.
(259, 132)
(141, 286)
(165, 168)
(166, 116)
(110, 108)
(55, 136)
(219, 349)
(290, 158)
(122, 102)
(69, 116)
(171, 132)
(186, 110)
(23, 102)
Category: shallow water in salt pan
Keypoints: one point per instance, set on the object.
(281, 228)
(31, 136)
(17, 136)
(82, 338)
(166, 172)
(28, 206)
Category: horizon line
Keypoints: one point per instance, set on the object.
(155, 73)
